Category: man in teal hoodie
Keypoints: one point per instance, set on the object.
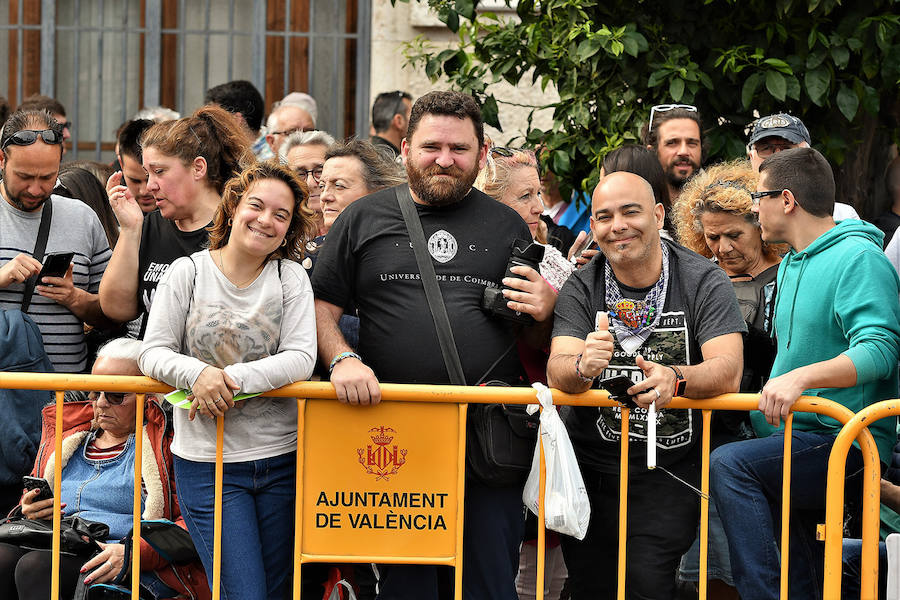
(837, 324)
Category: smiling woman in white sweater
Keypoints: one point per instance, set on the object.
(239, 319)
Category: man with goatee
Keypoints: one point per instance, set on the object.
(369, 263)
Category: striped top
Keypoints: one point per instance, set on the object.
(74, 228)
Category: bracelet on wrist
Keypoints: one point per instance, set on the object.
(341, 357)
(581, 375)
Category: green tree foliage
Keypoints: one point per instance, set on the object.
(837, 66)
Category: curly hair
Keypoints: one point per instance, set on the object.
(721, 188)
(212, 133)
(301, 228)
(499, 172)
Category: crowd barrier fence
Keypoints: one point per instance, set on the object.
(855, 429)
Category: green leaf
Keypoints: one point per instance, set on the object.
(524, 8)
(751, 84)
(630, 45)
(616, 47)
(854, 44)
(588, 48)
(676, 89)
(657, 77)
(847, 102)
(816, 83)
(793, 87)
(776, 85)
(490, 112)
(560, 162)
(466, 8)
(841, 56)
(814, 59)
(811, 38)
(871, 102)
(779, 64)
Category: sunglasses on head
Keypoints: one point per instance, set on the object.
(113, 398)
(27, 137)
(666, 108)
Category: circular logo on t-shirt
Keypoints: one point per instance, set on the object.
(442, 246)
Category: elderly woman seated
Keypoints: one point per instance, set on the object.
(97, 484)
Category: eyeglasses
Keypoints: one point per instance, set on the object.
(290, 131)
(666, 108)
(113, 398)
(501, 151)
(27, 137)
(65, 124)
(765, 149)
(304, 173)
(757, 196)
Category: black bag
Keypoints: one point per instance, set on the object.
(37, 534)
(500, 443)
(500, 439)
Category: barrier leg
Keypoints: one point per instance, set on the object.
(786, 506)
(217, 511)
(298, 498)
(57, 515)
(704, 507)
(623, 504)
(136, 516)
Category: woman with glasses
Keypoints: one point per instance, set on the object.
(304, 151)
(713, 217)
(188, 162)
(238, 318)
(98, 484)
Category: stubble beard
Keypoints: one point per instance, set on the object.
(436, 192)
(16, 201)
(677, 181)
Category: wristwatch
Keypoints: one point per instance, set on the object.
(680, 382)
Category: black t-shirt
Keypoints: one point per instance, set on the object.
(369, 261)
(161, 244)
(700, 305)
(887, 223)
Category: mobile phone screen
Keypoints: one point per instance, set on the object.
(56, 264)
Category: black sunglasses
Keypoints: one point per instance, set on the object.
(114, 398)
(27, 137)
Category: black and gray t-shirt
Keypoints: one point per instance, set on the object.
(700, 305)
(369, 261)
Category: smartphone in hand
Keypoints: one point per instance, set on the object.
(39, 483)
(55, 265)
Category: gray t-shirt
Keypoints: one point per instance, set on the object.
(700, 305)
(263, 336)
(74, 227)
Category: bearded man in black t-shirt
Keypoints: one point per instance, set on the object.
(369, 263)
(667, 319)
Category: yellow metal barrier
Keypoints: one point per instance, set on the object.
(453, 394)
(856, 428)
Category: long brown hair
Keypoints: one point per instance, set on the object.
(302, 227)
(212, 133)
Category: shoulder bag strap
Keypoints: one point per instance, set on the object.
(432, 289)
(40, 246)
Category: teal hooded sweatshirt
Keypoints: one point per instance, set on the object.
(840, 296)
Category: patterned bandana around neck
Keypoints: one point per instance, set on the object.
(634, 320)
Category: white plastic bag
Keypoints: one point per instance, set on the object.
(566, 506)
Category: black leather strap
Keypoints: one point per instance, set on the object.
(40, 246)
(432, 289)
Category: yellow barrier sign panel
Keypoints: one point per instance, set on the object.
(382, 480)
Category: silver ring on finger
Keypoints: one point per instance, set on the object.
(658, 396)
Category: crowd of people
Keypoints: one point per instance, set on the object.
(228, 257)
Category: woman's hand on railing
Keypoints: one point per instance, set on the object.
(212, 393)
(106, 565)
(37, 509)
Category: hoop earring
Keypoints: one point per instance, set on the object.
(283, 243)
(229, 222)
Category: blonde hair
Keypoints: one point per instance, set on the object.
(721, 188)
(498, 173)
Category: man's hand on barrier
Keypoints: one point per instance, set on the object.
(18, 269)
(212, 393)
(355, 383)
(106, 565)
(598, 348)
(37, 509)
(658, 384)
(779, 395)
(532, 295)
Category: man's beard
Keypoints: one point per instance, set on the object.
(17, 202)
(440, 192)
(677, 181)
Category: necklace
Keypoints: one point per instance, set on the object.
(225, 273)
